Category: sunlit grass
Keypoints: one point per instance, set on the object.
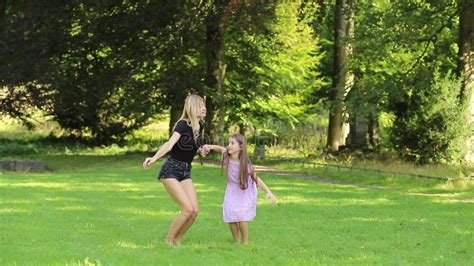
(107, 210)
(13, 129)
(398, 181)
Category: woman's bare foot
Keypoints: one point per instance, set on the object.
(173, 243)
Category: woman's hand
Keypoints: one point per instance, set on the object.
(272, 197)
(148, 161)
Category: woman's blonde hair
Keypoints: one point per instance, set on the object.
(192, 107)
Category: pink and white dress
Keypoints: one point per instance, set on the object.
(239, 204)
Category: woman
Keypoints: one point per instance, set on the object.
(175, 173)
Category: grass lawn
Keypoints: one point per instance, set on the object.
(108, 210)
(450, 188)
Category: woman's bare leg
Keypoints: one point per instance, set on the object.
(190, 191)
(177, 192)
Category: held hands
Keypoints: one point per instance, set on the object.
(148, 161)
(272, 197)
(204, 150)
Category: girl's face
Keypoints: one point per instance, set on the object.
(233, 147)
(202, 110)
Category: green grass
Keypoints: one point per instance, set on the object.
(108, 210)
(461, 188)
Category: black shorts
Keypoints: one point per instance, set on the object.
(173, 168)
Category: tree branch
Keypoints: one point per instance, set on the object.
(429, 40)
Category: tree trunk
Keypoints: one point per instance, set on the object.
(466, 66)
(358, 132)
(342, 78)
(215, 74)
(242, 129)
(176, 111)
(3, 8)
(373, 129)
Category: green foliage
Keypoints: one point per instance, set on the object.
(247, 38)
(103, 69)
(429, 125)
(275, 87)
(105, 84)
(8, 148)
(290, 73)
(30, 33)
(402, 67)
(182, 45)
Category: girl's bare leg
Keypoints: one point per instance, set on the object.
(244, 231)
(234, 228)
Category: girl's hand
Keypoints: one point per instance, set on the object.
(272, 197)
(148, 161)
(205, 150)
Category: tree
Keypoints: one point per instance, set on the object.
(181, 53)
(417, 77)
(3, 8)
(216, 70)
(30, 33)
(466, 67)
(104, 85)
(342, 77)
(94, 69)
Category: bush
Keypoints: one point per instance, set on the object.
(14, 148)
(429, 124)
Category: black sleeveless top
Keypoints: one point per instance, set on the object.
(185, 148)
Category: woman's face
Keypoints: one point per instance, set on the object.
(202, 110)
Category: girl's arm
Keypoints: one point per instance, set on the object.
(165, 148)
(214, 148)
(265, 188)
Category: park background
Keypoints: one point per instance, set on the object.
(361, 112)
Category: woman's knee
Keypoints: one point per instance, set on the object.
(195, 212)
(190, 212)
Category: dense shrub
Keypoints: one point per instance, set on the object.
(429, 124)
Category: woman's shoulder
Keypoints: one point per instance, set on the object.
(181, 126)
(183, 121)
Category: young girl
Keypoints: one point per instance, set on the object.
(240, 199)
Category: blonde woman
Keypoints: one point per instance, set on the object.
(175, 174)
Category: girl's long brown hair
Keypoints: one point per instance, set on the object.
(245, 164)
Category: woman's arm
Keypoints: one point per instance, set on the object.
(165, 148)
(265, 188)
